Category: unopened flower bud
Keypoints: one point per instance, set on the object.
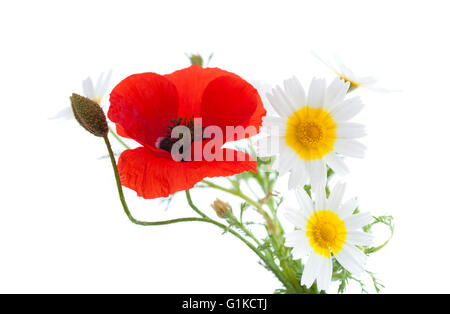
(196, 59)
(90, 115)
(221, 208)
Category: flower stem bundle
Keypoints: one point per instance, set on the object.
(307, 138)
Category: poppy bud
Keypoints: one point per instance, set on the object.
(221, 208)
(196, 59)
(90, 115)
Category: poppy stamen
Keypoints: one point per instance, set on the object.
(168, 140)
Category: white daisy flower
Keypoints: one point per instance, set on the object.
(97, 91)
(357, 81)
(327, 230)
(312, 131)
(91, 91)
(348, 75)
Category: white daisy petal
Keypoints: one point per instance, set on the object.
(273, 131)
(335, 93)
(335, 198)
(324, 276)
(263, 88)
(66, 113)
(318, 172)
(274, 121)
(290, 105)
(347, 208)
(295, 91)
(287, 159)
(355, 237)
(381, 89)
(274, 104)
(276, 163)
(350, 148)
(105, 84)
(336, 163)
(357, 221)
(274, 125)
(299, 242)
(316, 93)
(304, 201)
(352, 259)
(298, 176)
(295, 217)
(88, 88)
(367, 80)
(348, 73)
(311, 270)
(278, 102)
(347, 109)
(321, 199)
(98, 86)
(348, 130)
(327, 63)
(267, 146)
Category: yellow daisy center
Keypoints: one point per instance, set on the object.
(311, 132)
(326, 231)
(97, 99)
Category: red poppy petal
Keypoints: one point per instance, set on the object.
(260, 112)
(152, 173)
(191, 83)
(120, 131)
(143, 105)
(231, 101)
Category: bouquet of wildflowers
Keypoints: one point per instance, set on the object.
(182, 122)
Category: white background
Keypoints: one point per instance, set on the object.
(62, 228)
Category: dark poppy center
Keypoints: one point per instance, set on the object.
(170, 138)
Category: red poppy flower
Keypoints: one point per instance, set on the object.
(143, 107)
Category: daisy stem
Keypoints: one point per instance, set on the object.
(239, 194)
(118, 138)
(270, 264)
(241, 226)
(246, 231)
(232, 191)
(276, 235)
(283, 254)
(276, 238)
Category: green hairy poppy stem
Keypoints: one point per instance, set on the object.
(204, 218)
(124, 203)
